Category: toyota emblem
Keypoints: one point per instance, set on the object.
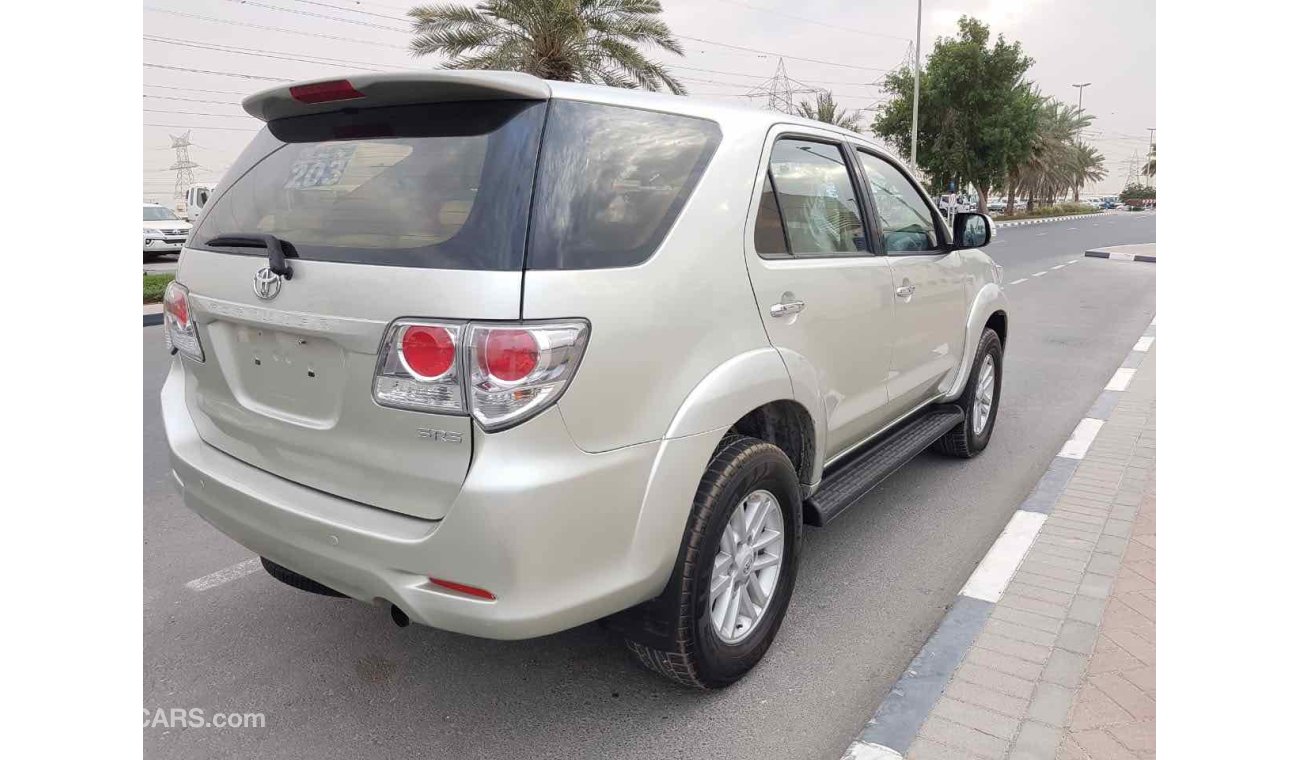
(266, 284)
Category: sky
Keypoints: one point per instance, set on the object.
(202, 56)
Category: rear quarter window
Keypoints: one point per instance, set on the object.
(611, 182)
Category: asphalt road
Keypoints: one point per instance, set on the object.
(335, 678)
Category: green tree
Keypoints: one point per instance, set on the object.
(1150, 169)
(826, 110)
(1044, 170)
(593, 41)
(1085, 164)
(977, 112)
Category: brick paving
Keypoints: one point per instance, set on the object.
(1065, 667)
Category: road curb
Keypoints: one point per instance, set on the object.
(893, 728)
(152, 314)
(1018, 222)
(1118, 256)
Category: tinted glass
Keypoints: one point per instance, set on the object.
(158, 214)
(817, 199)
(443, 186)
(769, 233)
(905, 219)
(611, 182)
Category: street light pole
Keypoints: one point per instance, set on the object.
(916, 83)
(1080, 88)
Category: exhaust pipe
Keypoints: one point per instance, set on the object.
(399, 617)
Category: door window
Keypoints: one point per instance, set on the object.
(816, 199)
(769, 232)
(905, 220)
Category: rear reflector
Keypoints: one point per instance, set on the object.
(324, 92)
(463, 589)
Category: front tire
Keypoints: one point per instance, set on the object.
(979, 400)
(735, 571)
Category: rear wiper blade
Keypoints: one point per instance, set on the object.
(275, 248)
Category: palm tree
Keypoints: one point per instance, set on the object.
(1150, 169)
(1046, 173)
(1085, 164)
(593, 41)
(825, 109)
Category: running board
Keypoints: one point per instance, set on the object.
(869, 468)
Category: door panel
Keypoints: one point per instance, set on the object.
(930, 298)
(929, 326)
(833, 297)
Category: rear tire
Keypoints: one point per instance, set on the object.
(973, 434)
(742, 475)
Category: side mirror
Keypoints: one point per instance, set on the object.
(971, 230)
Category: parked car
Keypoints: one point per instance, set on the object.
(998, 205)
(164, 232)
(507, 356)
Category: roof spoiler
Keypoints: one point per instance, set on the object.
(374, 90)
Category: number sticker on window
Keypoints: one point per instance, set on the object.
(319, 166)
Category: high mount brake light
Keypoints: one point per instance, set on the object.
(324, 92)
(502, 374)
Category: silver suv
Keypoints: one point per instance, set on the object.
(508, 356)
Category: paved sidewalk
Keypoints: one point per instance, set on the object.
(1065, 667)
(1048, 651)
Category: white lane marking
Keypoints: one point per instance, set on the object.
(1096, 224)
(1040, 234)
(1067, 229)
(1072, 261)
(1059, 266)
(1022, 279)
(994, 572)
(1120, 380)
(861, 751)
(1153, 321)
(1144, 343)
(1081, 438)
(234, 572)
(1039, 274)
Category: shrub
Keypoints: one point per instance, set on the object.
(154, 285)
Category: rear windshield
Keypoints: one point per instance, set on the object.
(445, 186)
(449, 186)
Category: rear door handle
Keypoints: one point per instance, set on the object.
(786, 308)
(905, 291)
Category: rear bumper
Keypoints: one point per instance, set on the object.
(560, 536)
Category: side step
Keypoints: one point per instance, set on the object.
(852, 479)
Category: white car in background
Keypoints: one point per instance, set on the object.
(164, 232)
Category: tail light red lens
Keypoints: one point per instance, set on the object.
(324, 92)
(461, 588)
(427, 351)
(510, 355)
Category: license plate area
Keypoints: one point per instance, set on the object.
(300, 378)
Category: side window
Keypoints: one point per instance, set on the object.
(769, 232)
(611, 183)
(905, 219)
(816, 198)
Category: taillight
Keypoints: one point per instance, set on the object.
(517, 371)
(324, 92)
(502, 374)
(179, 331)
(419, 368)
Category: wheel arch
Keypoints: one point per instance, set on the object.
(989, 309)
